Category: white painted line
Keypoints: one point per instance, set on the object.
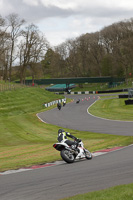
(40, 118)
(101, 117)
(14, 171)
(98, 153)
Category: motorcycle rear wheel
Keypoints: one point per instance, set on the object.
(67, 156)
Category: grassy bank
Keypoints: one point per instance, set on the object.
(122, 192)
(25, 140)
(114, 109)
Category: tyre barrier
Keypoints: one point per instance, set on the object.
(54, 102)
(123, 96)
(129, 102)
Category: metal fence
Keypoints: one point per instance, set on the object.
(9, 87)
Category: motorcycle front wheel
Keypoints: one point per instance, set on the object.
(67, 156)
(88, 155)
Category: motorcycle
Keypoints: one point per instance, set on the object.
(78, 101)
(69, 153)
(59, 106)
(64, 103)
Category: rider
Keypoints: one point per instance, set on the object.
(62, 137)
(59, 105)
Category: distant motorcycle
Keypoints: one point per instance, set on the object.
(78, 101)
(64, 103)
(70, 154)
(59, 106)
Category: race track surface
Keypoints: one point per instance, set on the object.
(56, 182)
(75, 116)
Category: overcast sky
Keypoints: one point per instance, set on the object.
(64, 19)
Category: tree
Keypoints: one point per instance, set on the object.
(14, 24)
(47, 60)
(31, 50)
(117, 40)
(69, 53)
(4, 48)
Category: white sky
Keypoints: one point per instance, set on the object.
(64, 19)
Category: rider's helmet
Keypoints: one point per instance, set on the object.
(60, 131)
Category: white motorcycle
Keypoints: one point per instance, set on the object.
(69, 153)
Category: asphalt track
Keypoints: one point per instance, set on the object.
(56, 182)
(75, 116)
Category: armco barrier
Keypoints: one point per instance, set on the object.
(86, 92)
(94, 92)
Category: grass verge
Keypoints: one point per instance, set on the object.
(114, 109)
(122, 192)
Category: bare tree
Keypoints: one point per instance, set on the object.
(14, 24)
(4, 48)
(31, 50)
(69, 53)
(83, 56)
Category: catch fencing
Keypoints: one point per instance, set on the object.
(9, 87)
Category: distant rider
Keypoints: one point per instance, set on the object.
(62, 137)
(64, 102)
(59, 106)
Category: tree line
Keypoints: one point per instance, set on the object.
(20, 43)
(107, 52)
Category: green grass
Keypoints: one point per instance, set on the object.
(20, 129)
(25, 140)
(122, 192)
(114, 109)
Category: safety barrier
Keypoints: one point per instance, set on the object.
(54, 102)
(93, 92)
